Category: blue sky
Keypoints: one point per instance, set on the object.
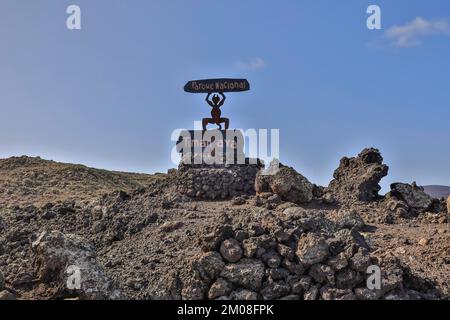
(111, 94)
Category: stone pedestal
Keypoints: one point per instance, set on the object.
(213, 165)
(218, 181)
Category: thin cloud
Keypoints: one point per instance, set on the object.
(413, 33)
(254, 64)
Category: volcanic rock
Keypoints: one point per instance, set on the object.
(357, 179)
(413, 195)
(219, 288)
(231, 250)
(6, 295)
(247, 273)
(209, 265)
(275, 290)
(272, 259)
(287, 183)
(2, 281)
(350, 220)
(321, 272)
(312, 249)
(57, 255)
(244, 295)
(360, 261)
(329, 293)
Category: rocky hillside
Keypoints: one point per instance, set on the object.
(34, 181)
(286, 239)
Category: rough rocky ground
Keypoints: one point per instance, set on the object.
(154, 242)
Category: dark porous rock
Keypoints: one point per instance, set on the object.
(301, 285)
(348, 278)
(208, 265)
(367, 294)
(247, 273)
(328, 199)
(277, 273)
(275, 290)
(312, 249)
(274, 200)
(322, 273)
(244, 295)
(350, 220)
(67, 207)
(318, 223)
(193, 289)
(394, 209)
(17, 234)
(48, 215)
(287, 183)
(338, 262)
(256, 230)
(272, 259)
(251, 245)
(312, 293)
(5, 295)
(360, 261)
(122, 195)
(2, 247)
(285, 251)
(414, 196)
(348, 241)
(318, 191)
(99, 226)
(231, 250)
(23, 278)
(283, 236)
(57, 254)
(357, 179)
(219, 232)
(392, 275)
(241, 235)
(2, 281)
(136, 284)
(293, 267)
(151, 218)
(2, 224)
(219, 288)
(329, 293)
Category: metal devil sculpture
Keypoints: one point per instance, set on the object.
(218, 86)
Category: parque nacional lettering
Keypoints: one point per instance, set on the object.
(217, 85)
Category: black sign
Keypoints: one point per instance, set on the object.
(217, 85)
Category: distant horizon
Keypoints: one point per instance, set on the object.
(385, 186)
(110, 95)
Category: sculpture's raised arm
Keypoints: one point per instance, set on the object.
(209, 101)
(223, 99)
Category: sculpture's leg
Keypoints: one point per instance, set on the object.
(226, 121)
(205, 122)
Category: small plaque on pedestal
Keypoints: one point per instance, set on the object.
(212, 147)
